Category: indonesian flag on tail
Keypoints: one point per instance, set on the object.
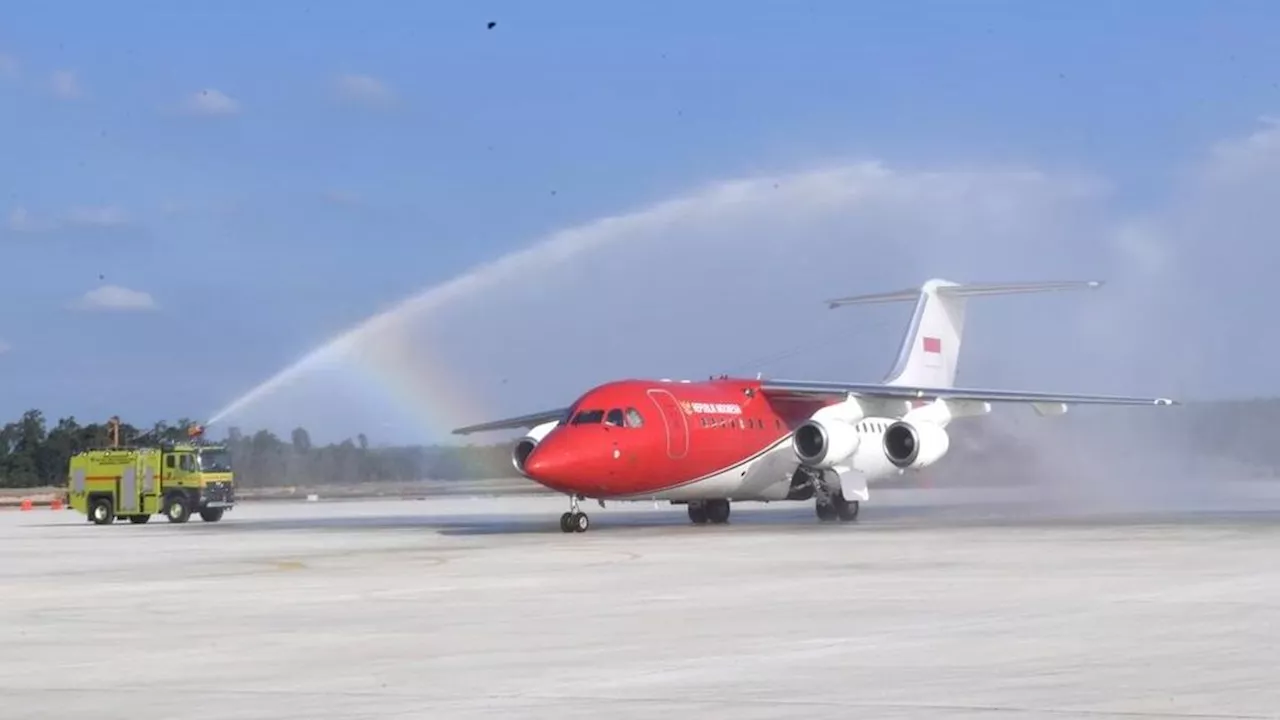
(932, 351)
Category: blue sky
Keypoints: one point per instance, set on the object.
(230, 184)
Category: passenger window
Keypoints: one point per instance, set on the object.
(168, 461)
(589, 417)
(634, 419)
(614, 418)
(187, 464)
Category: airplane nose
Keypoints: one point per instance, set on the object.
(547, 465)
(566, 464)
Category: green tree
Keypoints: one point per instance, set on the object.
(33, 455)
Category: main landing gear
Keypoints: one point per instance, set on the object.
(715, 512)
(836, 508)
(575, 520)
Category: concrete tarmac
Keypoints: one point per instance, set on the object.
(932, 605)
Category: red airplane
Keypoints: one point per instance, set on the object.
(706, 444)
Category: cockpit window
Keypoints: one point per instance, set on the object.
(588, 417)
(633, 418)
(614, 418)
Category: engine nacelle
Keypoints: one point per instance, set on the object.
(914, 445)
(824, 443)
(525, 445)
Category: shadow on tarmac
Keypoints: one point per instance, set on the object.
(797, 517)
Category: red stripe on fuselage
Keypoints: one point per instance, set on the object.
(728, 423)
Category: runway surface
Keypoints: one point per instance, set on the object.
(935, 604)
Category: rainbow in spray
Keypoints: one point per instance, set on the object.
(379, 347)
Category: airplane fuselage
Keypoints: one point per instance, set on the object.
(684, 441)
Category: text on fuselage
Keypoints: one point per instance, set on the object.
(701, 408)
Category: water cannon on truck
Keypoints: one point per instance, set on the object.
(152, 475)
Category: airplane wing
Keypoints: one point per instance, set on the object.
(511, 423)
(822, 388)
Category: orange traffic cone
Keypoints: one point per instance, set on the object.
(26, 504)
(55, 504)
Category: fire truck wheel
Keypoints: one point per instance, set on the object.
(211, 514)
(102, 512)
(178, 510)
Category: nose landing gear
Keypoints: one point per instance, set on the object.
(575, 520)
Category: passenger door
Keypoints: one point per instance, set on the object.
(676, 424)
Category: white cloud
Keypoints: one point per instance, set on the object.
(210, 102)
(102, 216)
(65, 85)
(21, 220)
(363, 89)
(114, 297)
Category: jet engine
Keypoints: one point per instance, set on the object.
(525, 445)
(914, 445)
(823, 444)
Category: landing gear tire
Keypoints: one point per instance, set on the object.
(697, 514)
(717, 511)
(574, 522)
(837, 509)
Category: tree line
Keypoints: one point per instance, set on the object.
(35, 454)
(1207, 437)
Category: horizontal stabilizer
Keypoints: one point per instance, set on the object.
(945, 289)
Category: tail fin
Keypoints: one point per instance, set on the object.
(931, 346)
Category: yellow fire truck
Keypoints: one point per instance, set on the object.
(173, 479)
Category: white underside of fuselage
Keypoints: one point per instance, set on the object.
(767, 476)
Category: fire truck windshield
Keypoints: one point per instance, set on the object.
(215, 460)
